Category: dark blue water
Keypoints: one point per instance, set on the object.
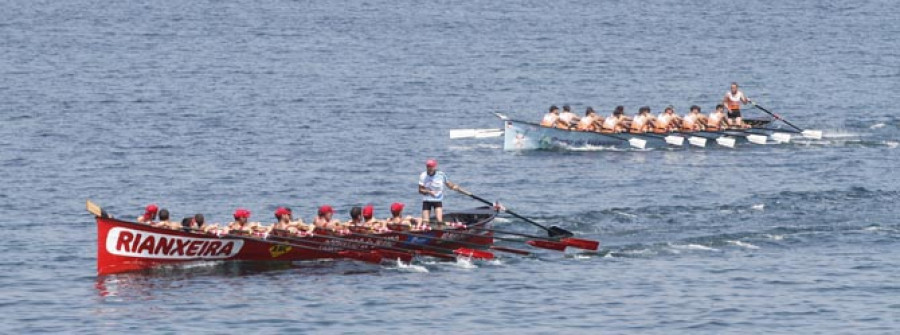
(210, 105)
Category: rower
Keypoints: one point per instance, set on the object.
(667, 120)
(567, 119)
(551, 117)
(149, 214)
(431, 186)
(397, 215)
(590, 122)
(617, 122)
(283, 220)
(324, 219)
(241, 224)
(716, 120)
(642, 121)
(370, 221)
(693, 121)
(164, 221)
(733, 100)
(355, 217)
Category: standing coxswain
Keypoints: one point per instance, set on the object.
(733, 100)
(431, 186)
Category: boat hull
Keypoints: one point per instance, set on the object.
(521, 135)
(124, 246)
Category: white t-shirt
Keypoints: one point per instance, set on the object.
(433, 183)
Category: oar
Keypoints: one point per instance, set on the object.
(479, 254)
(553, 231)
(814, 134)
(475, 133)
(553, 245)
(567, 241)
(357, 254)
(405, 256)
(472, 245)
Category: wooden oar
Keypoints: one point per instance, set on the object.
(567, 241)
(432, 250)
(472, 245)
(814, 134)
(553, 231)
(552, 245)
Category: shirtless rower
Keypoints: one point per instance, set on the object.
(241, 224)
(590, 122)
(356, 220)
(617, 122)
(324, 219)
(667, 121)
(551, 118)
(694, 120)
(369, 220)
(642, 121)
(164, 221)
(285, 223)
(716, 120)
(567, 119)
(149, 214)
(732, 101)
(397, 215)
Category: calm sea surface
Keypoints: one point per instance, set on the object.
(204, 106)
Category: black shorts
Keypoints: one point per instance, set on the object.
(733, 114)
(429, 205)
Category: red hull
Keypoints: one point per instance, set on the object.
(127, 246)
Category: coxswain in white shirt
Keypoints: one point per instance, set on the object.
(431, 187)
(733, 100)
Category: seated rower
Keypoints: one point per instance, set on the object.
(370, 221)
(397, 216)
(642, 121)
(617, 122)
(694, 120)
(667, 121)
(590, 122)
(149, 214)
(551, 118)
(241, 224)
(355, 218)
(567, 119)
(164, 221)
(716, 120)
(285, 223)
(324, 219)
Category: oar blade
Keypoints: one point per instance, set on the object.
(726, 141)
(581, 243)
(462, 133)
(697, 141)
(550, 245)
(637, 143)
(675, 140)
(472, 253)
(781, 137)
(813, 134)
(757, 139)
(93, 208)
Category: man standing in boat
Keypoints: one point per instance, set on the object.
(431, 186)
(733, 100)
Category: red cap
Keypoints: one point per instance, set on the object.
(368, 211)
(396, 207)
(152, 208)
(325, 209)
(431, 163)
(241, 213)
(281, 211)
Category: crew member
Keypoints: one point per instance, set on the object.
(716, 120)
(642, 121)
(617, 122)
(693, 121)
(164, 221)
(550, 119)
(431, 186)
(567, 119)
(733, 100)
(149, 214)
(667, 120)
(590, 122)
(324, 219)
(241, 224)
(397, 215)
(369, 220)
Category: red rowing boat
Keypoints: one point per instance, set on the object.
(124, 246)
